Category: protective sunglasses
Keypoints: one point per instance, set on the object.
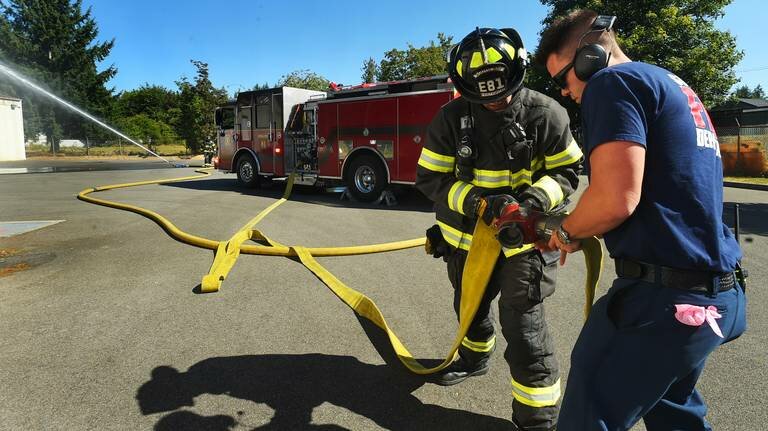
(559, 77)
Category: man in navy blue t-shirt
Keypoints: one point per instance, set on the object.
(656, 197)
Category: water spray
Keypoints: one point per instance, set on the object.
(10, 72)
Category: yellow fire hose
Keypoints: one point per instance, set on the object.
(477, 271)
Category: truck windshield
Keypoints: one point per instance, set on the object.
(227, 118)
(302, 120)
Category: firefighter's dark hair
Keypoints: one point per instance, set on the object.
(563, 35)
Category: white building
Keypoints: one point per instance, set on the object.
(71, 143)
(11, 130)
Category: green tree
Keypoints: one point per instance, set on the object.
(53, 42)
(415, 62)
(678, 35)
(198, 101)
(304, 79)
(154, 101)
(148, 130)
(744, 92)
(369, 69)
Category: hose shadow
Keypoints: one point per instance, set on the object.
(408, 198)
(294, 385)
(753, 218)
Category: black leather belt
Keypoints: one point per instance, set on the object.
(698, 281)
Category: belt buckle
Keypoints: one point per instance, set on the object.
(632, 269)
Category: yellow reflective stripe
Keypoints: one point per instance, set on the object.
(457, 194)
(459, 239)
(537, 164)
(491, 179)
(571, 154)
(437, 156)
(455, 237)
(436, 162)
(552, 189)
(536, 397)
(433, 167)
(509, 252)
(519, 178)
(479, 346)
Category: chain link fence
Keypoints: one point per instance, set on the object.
(743, 150)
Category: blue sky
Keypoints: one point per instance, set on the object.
(250, 42)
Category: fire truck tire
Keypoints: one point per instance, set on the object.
(366, 178)
(247, 171)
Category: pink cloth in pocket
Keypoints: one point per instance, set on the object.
(695, 315)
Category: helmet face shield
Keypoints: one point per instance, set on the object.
(487, 65)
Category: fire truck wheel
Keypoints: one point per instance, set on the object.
(247, 171)
(366, 178)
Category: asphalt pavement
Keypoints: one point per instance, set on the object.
(101, 328)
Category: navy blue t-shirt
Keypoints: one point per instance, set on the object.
(678, 222)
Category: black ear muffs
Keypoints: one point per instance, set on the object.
(589, 59)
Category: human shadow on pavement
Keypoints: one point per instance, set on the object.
(753, 218)
(293, 385)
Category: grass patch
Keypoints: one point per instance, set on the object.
(111, 151)
(747, 180)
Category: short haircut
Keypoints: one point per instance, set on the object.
(563, 34)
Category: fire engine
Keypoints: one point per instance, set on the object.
(366, 136)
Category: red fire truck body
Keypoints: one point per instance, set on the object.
(367, 136)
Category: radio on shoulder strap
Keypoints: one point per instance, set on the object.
(465, 150)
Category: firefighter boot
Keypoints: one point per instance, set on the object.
(474, 360)
(517, 427)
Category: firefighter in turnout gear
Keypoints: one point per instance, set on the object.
(500, 141)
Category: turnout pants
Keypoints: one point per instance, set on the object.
(634, 359)
(523, 281)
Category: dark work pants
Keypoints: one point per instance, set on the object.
(523, 282)
(634, 359)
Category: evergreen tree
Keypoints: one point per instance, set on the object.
(678, 35)
(53, 42)
(369, 69)
(198, 101)
(744, 92)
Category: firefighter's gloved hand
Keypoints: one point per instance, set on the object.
(435, 243)
(494, 205)
(531, 203)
